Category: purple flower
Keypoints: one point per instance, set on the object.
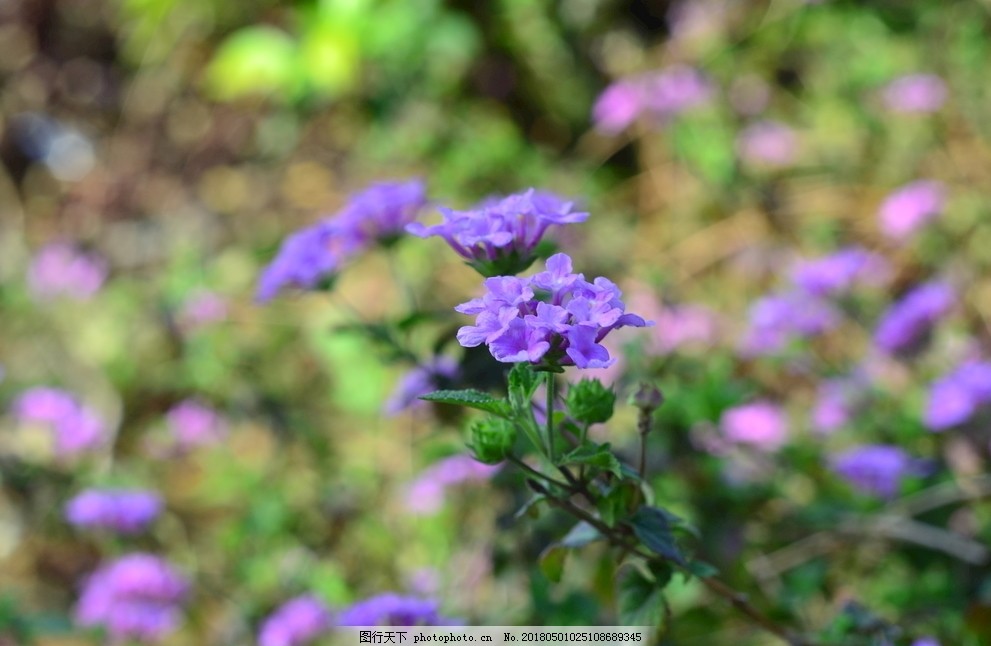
(202, 308)
(909, 321)
(956, 397)
(312, 256)
(876, 469)
(910, 207)
(926, 641)
(391, 609)
(838, 272)
(778, 319)
(834, 404)
(500, 237)
(554, 318)
(76, 428)
(297, 622)
(767, 143)
(915, 93)
(137, 597)
(127, 512)
(425, 495)
(675, 90)
(60, 269)
(618, 106)
(760, 424)
(420, 381)
(194, 424)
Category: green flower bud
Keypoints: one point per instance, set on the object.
(491, 439)
(590, 402)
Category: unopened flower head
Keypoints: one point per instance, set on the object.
(297, 622)
(126, 512)
(499, 237)
(838, 272)
(910, 207)
(916, 93)
(76, 427)
(760, 424)
(552, 319)
(137, 597)
(425, 495)
(958, 396)
(60, 269)
(877, 470)
(311, 258)
(909, 321)
(391, 609)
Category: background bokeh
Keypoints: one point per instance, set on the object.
(155, 153)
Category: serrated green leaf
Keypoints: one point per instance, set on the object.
(552, 562)
(595, 455)
(641, 601)
(653, 527)
(470, 399)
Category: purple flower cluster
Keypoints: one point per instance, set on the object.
(499, 236)
(193, 424)
(876, 469)
(760, 424)
(312, 256)
(60, 269)
(778, 319)
(909, 321)
(202, 308)
(393, 610)
(661, 94)
(137, 597)
(127, 512)
(296, 623)
(768, 144)
(425, 495)
(420, 381)
(910, 207)
(77, 428)
(563, 328)
(956, 397)
(838, 272)
(915, 93)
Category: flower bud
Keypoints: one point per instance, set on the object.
(491, 439)
(648, 397)
(590, 402)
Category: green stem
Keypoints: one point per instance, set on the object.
(550, 416)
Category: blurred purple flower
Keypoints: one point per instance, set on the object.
(678, 326)
(312, 256)
(778, 319)
(876, 469)
(499, 237)
(137, 597)
(618, 106)
(60, 269)
(838, 272)
(915, 93)
(421, 380)
(391, 609)
(957, 396)
(202, 308)
(518, 327)
(834, 404)
(193, 424)
(425, 495)
(909, 321)
(295, 623)
(76, 427)
(760, 424)
(910, 207)
(675, 90)
(767, 143)
(127, 512)
(925, 641)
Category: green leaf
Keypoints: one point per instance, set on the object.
(580, 535)
(641, 600)
(552, 562)
(702, 570)
(616, 504)
(595, 455)
(530, 507)
(523, 382)
(470, 399)
(653, 527)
